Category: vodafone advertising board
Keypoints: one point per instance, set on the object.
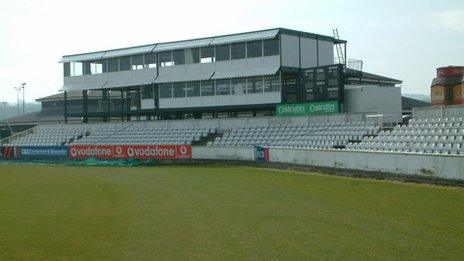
(130, 151)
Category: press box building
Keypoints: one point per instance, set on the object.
(228, 75)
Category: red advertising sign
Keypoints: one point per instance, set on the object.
(130, 151)
(91, 151)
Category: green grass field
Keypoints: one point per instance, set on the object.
(212, 212)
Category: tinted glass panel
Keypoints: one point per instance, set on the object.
(66, 69)
(238, 86)
(150, 60)
(237, 51)
(113, 65)
(165, 90)
(165, 59)
(223, 87)
(254, 49)
(271, 83)
(124, 63)
(222, 52)
(193, 89)
(147, 92)
(87, 68)
(179, 89)
(207, 88)
(255, 84)
(207, 54)
(179, 57)
(137, 62)
(271, 47)
(192, 55)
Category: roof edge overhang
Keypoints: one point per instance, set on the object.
(273, 32)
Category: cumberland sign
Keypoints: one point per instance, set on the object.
(315, 108)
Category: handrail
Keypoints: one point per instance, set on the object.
(16, 135)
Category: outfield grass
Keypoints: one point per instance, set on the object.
(179, 212)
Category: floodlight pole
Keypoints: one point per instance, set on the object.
(18, 89)
(24, 97)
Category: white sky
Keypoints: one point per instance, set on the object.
(406, 41)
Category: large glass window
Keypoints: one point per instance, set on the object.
(271, 47)
(255, 84)
(93, 67)
(137, 62)
(272, 83)
(77, 68)
(179, 89)
(165, 90)
(207, 54)
(254, 49)
(222, 52)
(178, 57)
(193, 89)
(165, 59)
(124, 63)
(67, 69)
(113, 65)
(223, 87)
(101, 66)
(150, 60)
(207, 88)
(238, 86)
(147, 92)
(192, 55)
(237, 51)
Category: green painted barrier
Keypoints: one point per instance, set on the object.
(314, 108)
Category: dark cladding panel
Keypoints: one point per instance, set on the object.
(324, 83)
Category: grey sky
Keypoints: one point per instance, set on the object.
(401, 39)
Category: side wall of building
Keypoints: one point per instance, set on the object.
(373, 99)
(304, 52)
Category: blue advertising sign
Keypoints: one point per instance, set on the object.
(261, 154)
(43, 151)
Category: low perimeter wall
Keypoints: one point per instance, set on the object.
(448, 167)
(201, 152)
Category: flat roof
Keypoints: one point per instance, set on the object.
(193, 43)
(351, 73)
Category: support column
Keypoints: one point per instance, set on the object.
(128, 107)
(156, 98)
(108, 105)
(65, 107)
(85, 118)
(105, 105)
(122, 106)
(139, 102)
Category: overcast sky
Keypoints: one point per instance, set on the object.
(402, 40)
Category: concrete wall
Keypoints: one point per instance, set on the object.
(373, 99)
(202, 152)
(450, 167)
(438, 166)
